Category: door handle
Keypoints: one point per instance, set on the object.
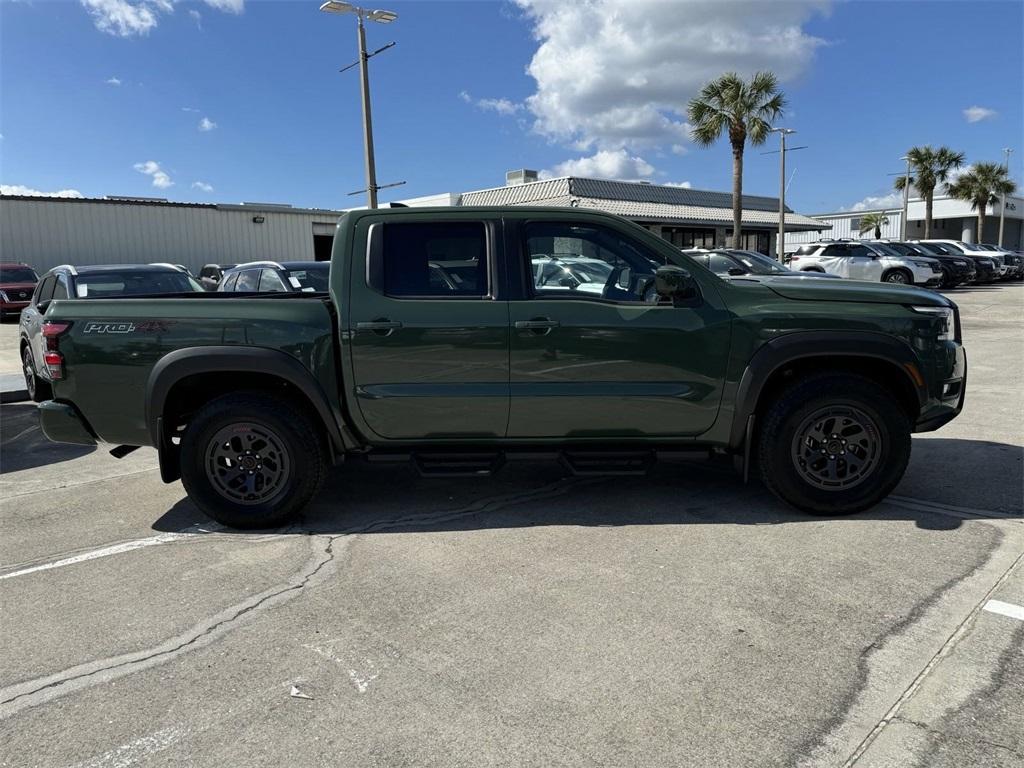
(382, 326)
(539, 325)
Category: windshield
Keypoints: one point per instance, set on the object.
(887, 249)
(906, 250)
(970, 247)
(760, 264)
(102, 285)
(935, 249)
(18, 275)
(311, 278)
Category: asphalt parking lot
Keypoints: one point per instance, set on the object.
(526, 620)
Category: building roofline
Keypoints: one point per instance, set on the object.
(253, 207)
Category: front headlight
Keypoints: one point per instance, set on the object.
(960, 263)
(945, 317)
(922, 263)
(3, 296)
(985, 263)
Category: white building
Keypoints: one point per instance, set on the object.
(951, 220)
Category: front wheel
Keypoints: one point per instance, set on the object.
(251, 460)
(898, 276)
(834, 444)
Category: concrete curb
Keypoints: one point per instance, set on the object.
(14, 396)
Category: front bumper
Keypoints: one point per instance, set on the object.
(947, 400)
(10, 307)
(926, 277)
(62, 423)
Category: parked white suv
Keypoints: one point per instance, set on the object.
(972, 249)
(866, 261)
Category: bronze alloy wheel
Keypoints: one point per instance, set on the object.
(30, 372)
(247, 463)
(836, 447)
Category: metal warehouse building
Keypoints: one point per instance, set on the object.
(47, 231)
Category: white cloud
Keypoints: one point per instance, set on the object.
(189, 109)
(626, 82)
(127, 18)
(680, 184)
(123, 18)
(197, 17)
(206, 124)
(113, 81)
(228, 6)
(202, 185)
(152, 168)
(501, 106)
(976, 114)
(679, 149)
(605, 164)
(18, 189)
(873, 203)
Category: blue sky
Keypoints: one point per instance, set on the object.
(107, 97)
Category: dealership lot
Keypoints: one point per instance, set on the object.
(528, 619)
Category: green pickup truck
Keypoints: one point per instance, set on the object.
(459, 337)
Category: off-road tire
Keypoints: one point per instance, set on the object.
(38, 389)
(779, 452)
(297, 451)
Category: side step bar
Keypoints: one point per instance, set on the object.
(580, 462)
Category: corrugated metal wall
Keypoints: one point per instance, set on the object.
(45, 233)
(842, 227)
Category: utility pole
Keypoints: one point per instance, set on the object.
(382, 17)
(1002, 201)
(364, 76)
(780, 242)
(906, 200)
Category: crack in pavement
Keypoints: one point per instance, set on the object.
(32, 693)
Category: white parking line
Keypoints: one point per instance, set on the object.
(1005, 609)
(114, 549)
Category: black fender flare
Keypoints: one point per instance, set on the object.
(791, 347)
(182, 363)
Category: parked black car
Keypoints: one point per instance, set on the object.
(986, 269)
(730, 262)
(211, 275)
(956, 270)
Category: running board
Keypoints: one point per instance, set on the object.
(622, 463)
(469, 464)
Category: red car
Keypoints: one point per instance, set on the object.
(17, 281)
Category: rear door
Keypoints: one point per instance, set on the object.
(32, 319)
(429, 328)
(598, 356)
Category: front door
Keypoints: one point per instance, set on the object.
(593, 353)
(429, 333)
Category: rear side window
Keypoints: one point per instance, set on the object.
(248, 281)
(447, 259)
(229, 283)
(271, 281)
(806, 250)
(835, 250)
(60, 289)
(45, 291)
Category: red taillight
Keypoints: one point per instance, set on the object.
(52, 331)
(54, 365)
(794, 258)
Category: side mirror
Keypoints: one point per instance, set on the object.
(675, 283)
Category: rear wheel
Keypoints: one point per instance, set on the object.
(251, 460)
(38, 390)
(834, 444)
(898, 276)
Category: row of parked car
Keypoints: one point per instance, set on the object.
(929, 263)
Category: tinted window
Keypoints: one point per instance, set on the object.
(45, 290)
(311, 278)
(17, 275)
(229, 283)
(587, 261)
(248, 281)
(271, 281)
(834, 250)
(721, 265)
(860, 252)
(99, 285)
(805, 250)
(60, 289)
(445, 259)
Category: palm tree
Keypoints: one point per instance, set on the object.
(928, 168)
(873, 221)
(746, 110)
(980, 185)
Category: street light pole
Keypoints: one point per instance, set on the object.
(382, 17)
(1002, 201)
(906, 199)
(780, 243)
(364, 76)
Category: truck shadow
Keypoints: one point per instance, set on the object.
(942, 488)
(24, 446)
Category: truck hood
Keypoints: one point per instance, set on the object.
(861, 291)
